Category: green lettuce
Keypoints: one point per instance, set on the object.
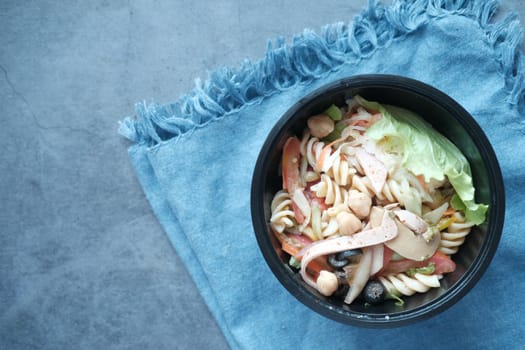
(426, 152)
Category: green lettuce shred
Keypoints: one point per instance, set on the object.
(425, 270)
(334, 113)
(294, 262)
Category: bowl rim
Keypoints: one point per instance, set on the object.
(495, 216)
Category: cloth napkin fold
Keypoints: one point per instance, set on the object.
(195, 157)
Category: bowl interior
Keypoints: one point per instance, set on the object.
(447, 117)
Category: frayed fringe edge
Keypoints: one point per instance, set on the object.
(311, 56)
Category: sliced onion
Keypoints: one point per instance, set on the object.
(329, 161)
(435, 215)
(302, 203)
(412, 201)
(316, 221)
(377, 258)
(361, 275)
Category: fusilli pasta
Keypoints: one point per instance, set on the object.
(406, 285)
(454, 236)
(282, 214)
(332, 193)
(319, 156)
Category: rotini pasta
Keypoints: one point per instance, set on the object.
(329, 227)
(332, 193)
(405, 285)
(319, 157)
(454, 235)
(282, 214)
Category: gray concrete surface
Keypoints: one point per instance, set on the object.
(83, 262)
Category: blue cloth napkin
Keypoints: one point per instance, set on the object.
(195, 158)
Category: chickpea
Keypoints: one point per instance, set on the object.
(320, 125)
(348, 223)
(327, 283)
(360, 203)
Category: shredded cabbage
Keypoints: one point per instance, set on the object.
(426, 152)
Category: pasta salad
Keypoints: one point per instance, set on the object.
(374, 202)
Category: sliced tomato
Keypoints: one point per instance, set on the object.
(317, 265)
(387, 255)
(299, 216)
(325, 153)
(301, 239)
(362, 122)
(290, 164)
(290, 247)
(443, 263)
(402, 265)
(292, 243)
(313, 199)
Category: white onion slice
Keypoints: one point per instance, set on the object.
(435, 215)
(302, 203)
(362, 273)
(377, 258)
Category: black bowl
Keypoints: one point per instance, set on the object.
(446, 116)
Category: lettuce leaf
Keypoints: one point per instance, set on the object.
(426, 152)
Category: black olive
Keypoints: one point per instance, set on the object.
(350, 255)
(340, 260)
(374, 292)
(332, 260)
(342, 290)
